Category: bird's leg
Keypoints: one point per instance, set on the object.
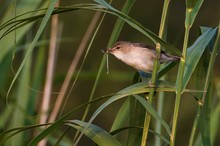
(156, 57)
(151, 85)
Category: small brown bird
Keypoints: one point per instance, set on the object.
(138, 55)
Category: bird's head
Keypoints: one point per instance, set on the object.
(120, 49)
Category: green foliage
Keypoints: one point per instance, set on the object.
(40, 30)
(22, 83)
(194, 53)
(95, 133)
(192, 9)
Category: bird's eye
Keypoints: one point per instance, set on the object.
(118, 47)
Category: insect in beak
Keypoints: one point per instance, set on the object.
(107, 52)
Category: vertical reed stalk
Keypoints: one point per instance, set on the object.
(50, 72)
(179, 85)
(154, 74)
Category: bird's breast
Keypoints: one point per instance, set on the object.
(140, 61)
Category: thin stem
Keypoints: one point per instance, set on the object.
(163, 18)
(154, 74)
(50, 68)
(196, 121)
(211, 64)
(158, 126)
(161, 94)
(50, 72)
(179, 86)
(146, 123)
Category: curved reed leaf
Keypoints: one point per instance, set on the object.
(192, 8)
(6, 43)
(95, 133)
(194, 53)
(120, 118)
(133, 23)
(60, 121)
(153, 112)
(136, 25)
(138, 127)
(131, 90)
(13, 131)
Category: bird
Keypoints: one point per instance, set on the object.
(138, 55)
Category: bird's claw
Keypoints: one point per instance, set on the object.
(151, 85)
(156, 57)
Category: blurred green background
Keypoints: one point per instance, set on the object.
(148, 13)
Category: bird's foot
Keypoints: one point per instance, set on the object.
(151, 85)
(156, 57)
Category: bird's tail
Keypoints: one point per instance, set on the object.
(166, 58)
(174, 58)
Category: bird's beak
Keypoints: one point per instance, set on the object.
(105, 50)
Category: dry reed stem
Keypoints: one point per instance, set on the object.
(72, 68)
